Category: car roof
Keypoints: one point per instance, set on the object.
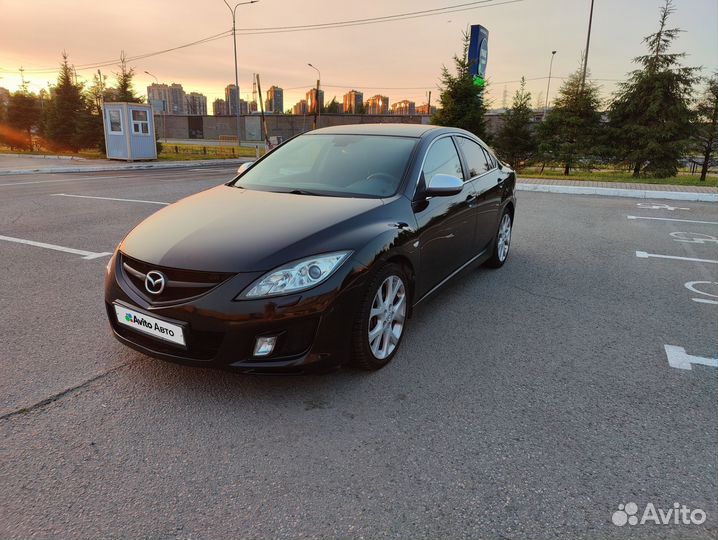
(397, 130)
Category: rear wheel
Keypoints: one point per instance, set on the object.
(381, 320)
(502, 242)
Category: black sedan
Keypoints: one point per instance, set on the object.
(315, 254)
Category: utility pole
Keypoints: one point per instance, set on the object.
(317, 112)
(548, 85)
(233, 11)
(428, 104)
(588, 42)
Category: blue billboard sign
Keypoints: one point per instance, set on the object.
(478, 53)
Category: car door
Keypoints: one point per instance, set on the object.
(484, 174)
(446, 224)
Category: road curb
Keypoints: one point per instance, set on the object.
(619, 192)
(133, 167)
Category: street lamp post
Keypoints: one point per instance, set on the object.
(317, 112)
(164, 107)
(548, 85)
(233, 11)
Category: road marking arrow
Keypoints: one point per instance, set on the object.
(679, 359)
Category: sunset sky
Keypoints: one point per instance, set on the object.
(401, 59)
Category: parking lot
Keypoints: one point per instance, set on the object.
(528, 402)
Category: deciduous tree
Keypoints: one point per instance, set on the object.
(705, 137)
(22, 118)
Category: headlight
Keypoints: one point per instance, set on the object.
(296, 276)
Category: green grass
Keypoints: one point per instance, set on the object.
(170, 152)
(684, 178)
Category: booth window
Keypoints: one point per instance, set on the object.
(115, 121)
(140, 123)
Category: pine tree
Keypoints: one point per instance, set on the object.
(650, 117)
(124, 91)
(705, 138)
(463, 104)
(22, 117)
(67, 116)
(515, 142)
(571, 131)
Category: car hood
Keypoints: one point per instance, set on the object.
(228, 229)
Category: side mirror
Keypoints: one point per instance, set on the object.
(443, 185)
(245, 167)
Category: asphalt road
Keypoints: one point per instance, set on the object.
(527, 402)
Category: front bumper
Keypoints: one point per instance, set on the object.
(313, 327)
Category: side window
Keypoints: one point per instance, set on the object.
(140, 123)
(476, 159)
(442, 158)
(492, 160)
(115, 120)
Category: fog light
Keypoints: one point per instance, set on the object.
(264, 345)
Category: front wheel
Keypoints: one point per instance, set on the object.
(381, 319)
(502, 242)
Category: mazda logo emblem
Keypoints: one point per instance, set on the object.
(155, 282)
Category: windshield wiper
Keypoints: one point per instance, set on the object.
(301, 192)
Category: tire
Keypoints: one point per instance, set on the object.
(502, 242)
(372, 352)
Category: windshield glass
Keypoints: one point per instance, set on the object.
(339, 165)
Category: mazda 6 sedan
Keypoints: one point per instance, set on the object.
(315, 254)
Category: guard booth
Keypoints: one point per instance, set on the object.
(129, 131)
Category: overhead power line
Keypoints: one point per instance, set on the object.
(376, 20)
(466, 6)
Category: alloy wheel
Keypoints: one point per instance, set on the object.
(386, 317)
(504, 238)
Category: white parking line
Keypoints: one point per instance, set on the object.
(81, 178)
(644, 255)
(651, 206)
(678, 358)
(691, 286)
(673, 219)
(85, 254)
(108, 198)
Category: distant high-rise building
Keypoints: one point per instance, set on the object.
(158, 95)
(312, 101)
(424, 109)
(403, 107)
(377, 105)
(177, 99)
(300, 107)
(275, 100)
(219, 107)
(353, 102)
(247, 107)
(196, 104)
(231, 96)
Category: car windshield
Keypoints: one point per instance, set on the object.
(335, 165)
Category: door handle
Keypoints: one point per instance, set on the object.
(471, 199)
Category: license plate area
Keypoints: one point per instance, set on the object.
(149, 325)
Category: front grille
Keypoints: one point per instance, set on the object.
(180, 284)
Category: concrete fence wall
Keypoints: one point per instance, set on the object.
(283, 125)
